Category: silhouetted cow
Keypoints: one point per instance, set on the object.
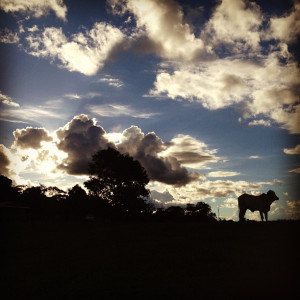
(261, 203)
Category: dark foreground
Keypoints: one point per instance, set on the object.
(82, 260)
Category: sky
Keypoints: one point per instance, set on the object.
(204, 94)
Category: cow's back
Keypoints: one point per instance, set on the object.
(251, 202)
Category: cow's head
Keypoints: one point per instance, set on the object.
(272, 196)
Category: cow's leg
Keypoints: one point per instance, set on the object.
(266, 216)
(261, 215)
(242, 214)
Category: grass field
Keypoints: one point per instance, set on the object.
(91, 260)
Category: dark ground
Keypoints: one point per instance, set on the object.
(91, 260)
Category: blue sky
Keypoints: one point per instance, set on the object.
(205, 94)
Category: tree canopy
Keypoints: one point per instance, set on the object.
(118, 180)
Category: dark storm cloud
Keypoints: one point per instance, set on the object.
(31, 137)
(4, 161)
(146, 149)
(80, 139)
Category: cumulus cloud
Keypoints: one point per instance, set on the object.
(146, 149)
(234, 24)
(215, 84)
(80, 139)
(190, 152)
(285, 28)
(75, 143)
(264, 87)
(161, 28)
(37, 8)
(84, 52)
(30, 137)
(4, 161)
(263, 81)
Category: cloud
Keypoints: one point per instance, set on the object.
(118, 110)
(8, 37)
(254, 157)
(230, 203)
(285, 28)
(30, 137)
(4, 161)
(222, 174)
(146, 149)
(37, 8)
(161, 198)
(295, 171)
(112, 81)
(80, 139)
(75, 143)
(11, 165)
(234, 24)
(266, 123)
(161, 28)
(29, 114)
(84, 52)
(264, 87)
(293, 210)
(292, 151)
(215, 84)
(263, 80)
(207, 189)
(8, 101)
(190, 152)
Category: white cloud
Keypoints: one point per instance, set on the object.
(37, 8)
(234, 24)
(266, 123)
(190, 152)
(84, 52)
(112, 81)
(293, 210)
(217, 174)
(254, 157)
(29, 114)
(162, 23)
(8, 100)
(207, 189)
(230, 203)
(295, 171)
(285, 28)
(8, 37)
(118, 110)
(216, 84)
(292, 151)
(263, 87)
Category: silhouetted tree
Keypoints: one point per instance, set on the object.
(76, 202)
(35, 198)
(118, 180)
(201, 211)
(8, 192)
